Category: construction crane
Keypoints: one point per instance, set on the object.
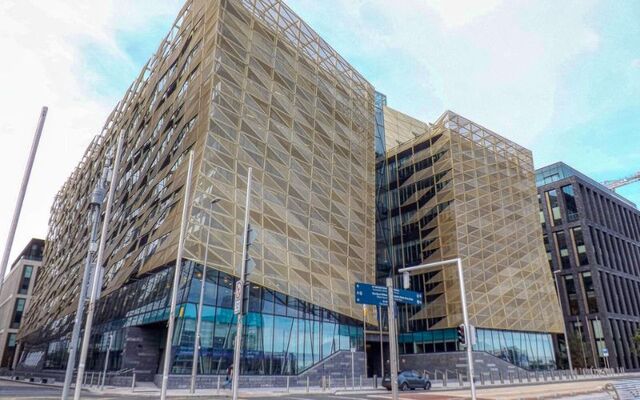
(616, 183)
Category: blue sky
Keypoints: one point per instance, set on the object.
(561, 78)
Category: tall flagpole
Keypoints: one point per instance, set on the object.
(176, 280)
(98, 270)
(23, 190)
(198, 341)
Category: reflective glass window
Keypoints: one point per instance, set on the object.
(579, 246)
(570, 203)
(26, 279)
(543, 221)
(590, 293)
(572, 295)
(17, 313)
(547, 247)
(554, 207)
(563, 250)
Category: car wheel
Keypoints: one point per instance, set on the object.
(427, 386)
(404, 387)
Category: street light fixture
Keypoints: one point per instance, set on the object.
(197, 343)
(463, 297)
(564, 323)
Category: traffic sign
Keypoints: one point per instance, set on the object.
(407, 296)
(605, 352)
(378, 296)
(237, 304)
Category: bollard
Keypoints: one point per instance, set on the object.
(528, 376)
(375, 381)
(360, 382)
(84, 379)
(482, 378)
(445, 376)
(218, 386)
(459, 379)
(345, 382)
(92, 375)
(329, 382)
(324, 383)
(133, 382)
(307, 384)
(288, 383)
(501, 377)
(519, 376)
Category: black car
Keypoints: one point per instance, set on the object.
(408, 380)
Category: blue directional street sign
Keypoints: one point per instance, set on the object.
(377, 295)
(407, 296)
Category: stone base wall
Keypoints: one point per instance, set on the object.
(456, 362)
(332, 371)
(141, 352)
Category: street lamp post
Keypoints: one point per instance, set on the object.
(465, 315)
(94, 217)
(197, 343)
(239, 299)
(176, 280)
(564, 323)
(112, 173)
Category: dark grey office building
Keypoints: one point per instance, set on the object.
(592, 237)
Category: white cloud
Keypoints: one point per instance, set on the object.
(499, 63)
(43, 65)
(461, 12)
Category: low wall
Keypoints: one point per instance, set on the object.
(333, 370)
(457, 362)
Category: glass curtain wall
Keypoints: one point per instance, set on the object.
(284, 335)
(533, 351)
(528, 350)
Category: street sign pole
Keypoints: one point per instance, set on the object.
(393, 340)
(379, 309)
(239, 309)
(364, 338)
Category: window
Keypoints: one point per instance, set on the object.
(17, 313)
(26, 279)
(547, 247)
(563, 251)
(11, 340)
(572, 295)
(570, 203)
(542, 219)
(579, 246)
(554, 207)
(590, 293)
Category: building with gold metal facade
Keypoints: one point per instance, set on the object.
(457, 189)
(242, 84)
(246, 83)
